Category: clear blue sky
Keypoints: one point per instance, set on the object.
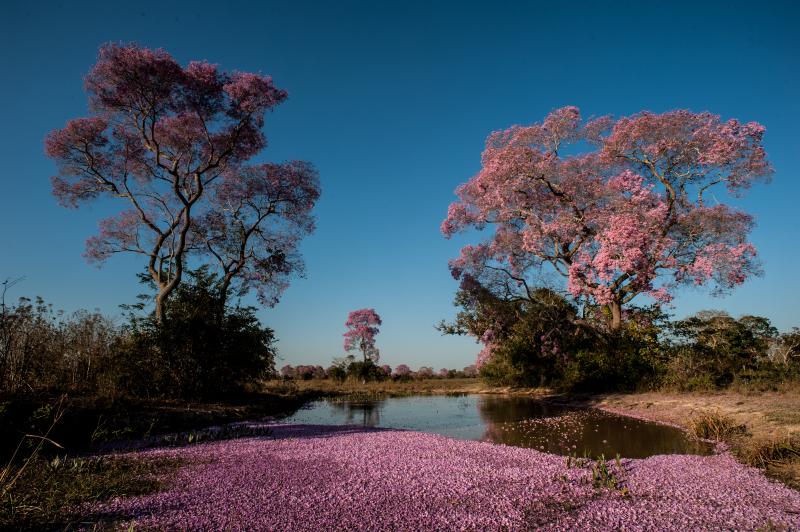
(392, 102)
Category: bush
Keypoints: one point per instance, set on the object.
(203, 349)
(543, 340)
(43, 349)
(200, 350)
(337, 373)
(365, 371)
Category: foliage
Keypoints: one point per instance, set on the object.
(365, 371)
(541, 340)
(49, 492)
(624, 218)
(711, 350)
(337, 373)
(201, 349)
(41, 348)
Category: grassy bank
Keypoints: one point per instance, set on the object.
(761, 428)
(88, 423)
(397, 388)
(46, 473)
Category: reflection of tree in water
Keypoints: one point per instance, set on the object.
(500, 414)
(525, 422)
(502, 409)
(365, 413)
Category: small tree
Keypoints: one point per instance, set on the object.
(362, 327)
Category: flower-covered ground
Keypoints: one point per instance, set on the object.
(304, 477)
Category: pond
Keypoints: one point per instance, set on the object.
(517, 421)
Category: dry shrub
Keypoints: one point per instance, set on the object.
(715, 426)
(764, 453)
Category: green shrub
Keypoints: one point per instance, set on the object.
(200, 350)
(337, 373)
(365, 371)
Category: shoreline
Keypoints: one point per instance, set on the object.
(384, 479)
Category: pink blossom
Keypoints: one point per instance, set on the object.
(362, 327)
(297, 477)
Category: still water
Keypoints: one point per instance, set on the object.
(518, 421)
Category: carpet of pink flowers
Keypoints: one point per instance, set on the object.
(303, 477)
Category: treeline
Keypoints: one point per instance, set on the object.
(545, 340)
(203, 348)
(357, 370)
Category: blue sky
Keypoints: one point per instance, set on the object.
(392, 102)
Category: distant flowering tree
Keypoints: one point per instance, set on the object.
(629, 217)
(304, 372)
(362, 327)
(171, 142)
(288, 372)
(387, 369)
(402, 370)
(319, 372)
(425, 372)
(444, 373)
(471, 371)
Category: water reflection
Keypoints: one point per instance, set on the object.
(585, 432)
(365, 413)
(518, 421)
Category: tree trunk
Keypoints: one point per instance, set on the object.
(616, 315)
(167, 288)
(160, 307)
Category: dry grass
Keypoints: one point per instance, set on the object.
(50, 493)
(394, 388)
(714, 426)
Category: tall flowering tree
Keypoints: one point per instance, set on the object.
(639, 213)
(170, 143)
(362, 327)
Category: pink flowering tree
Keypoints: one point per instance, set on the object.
(402, 370)
(387, 369)
(425, 372)
(362, 327)
(170, 143)
(639, 213)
